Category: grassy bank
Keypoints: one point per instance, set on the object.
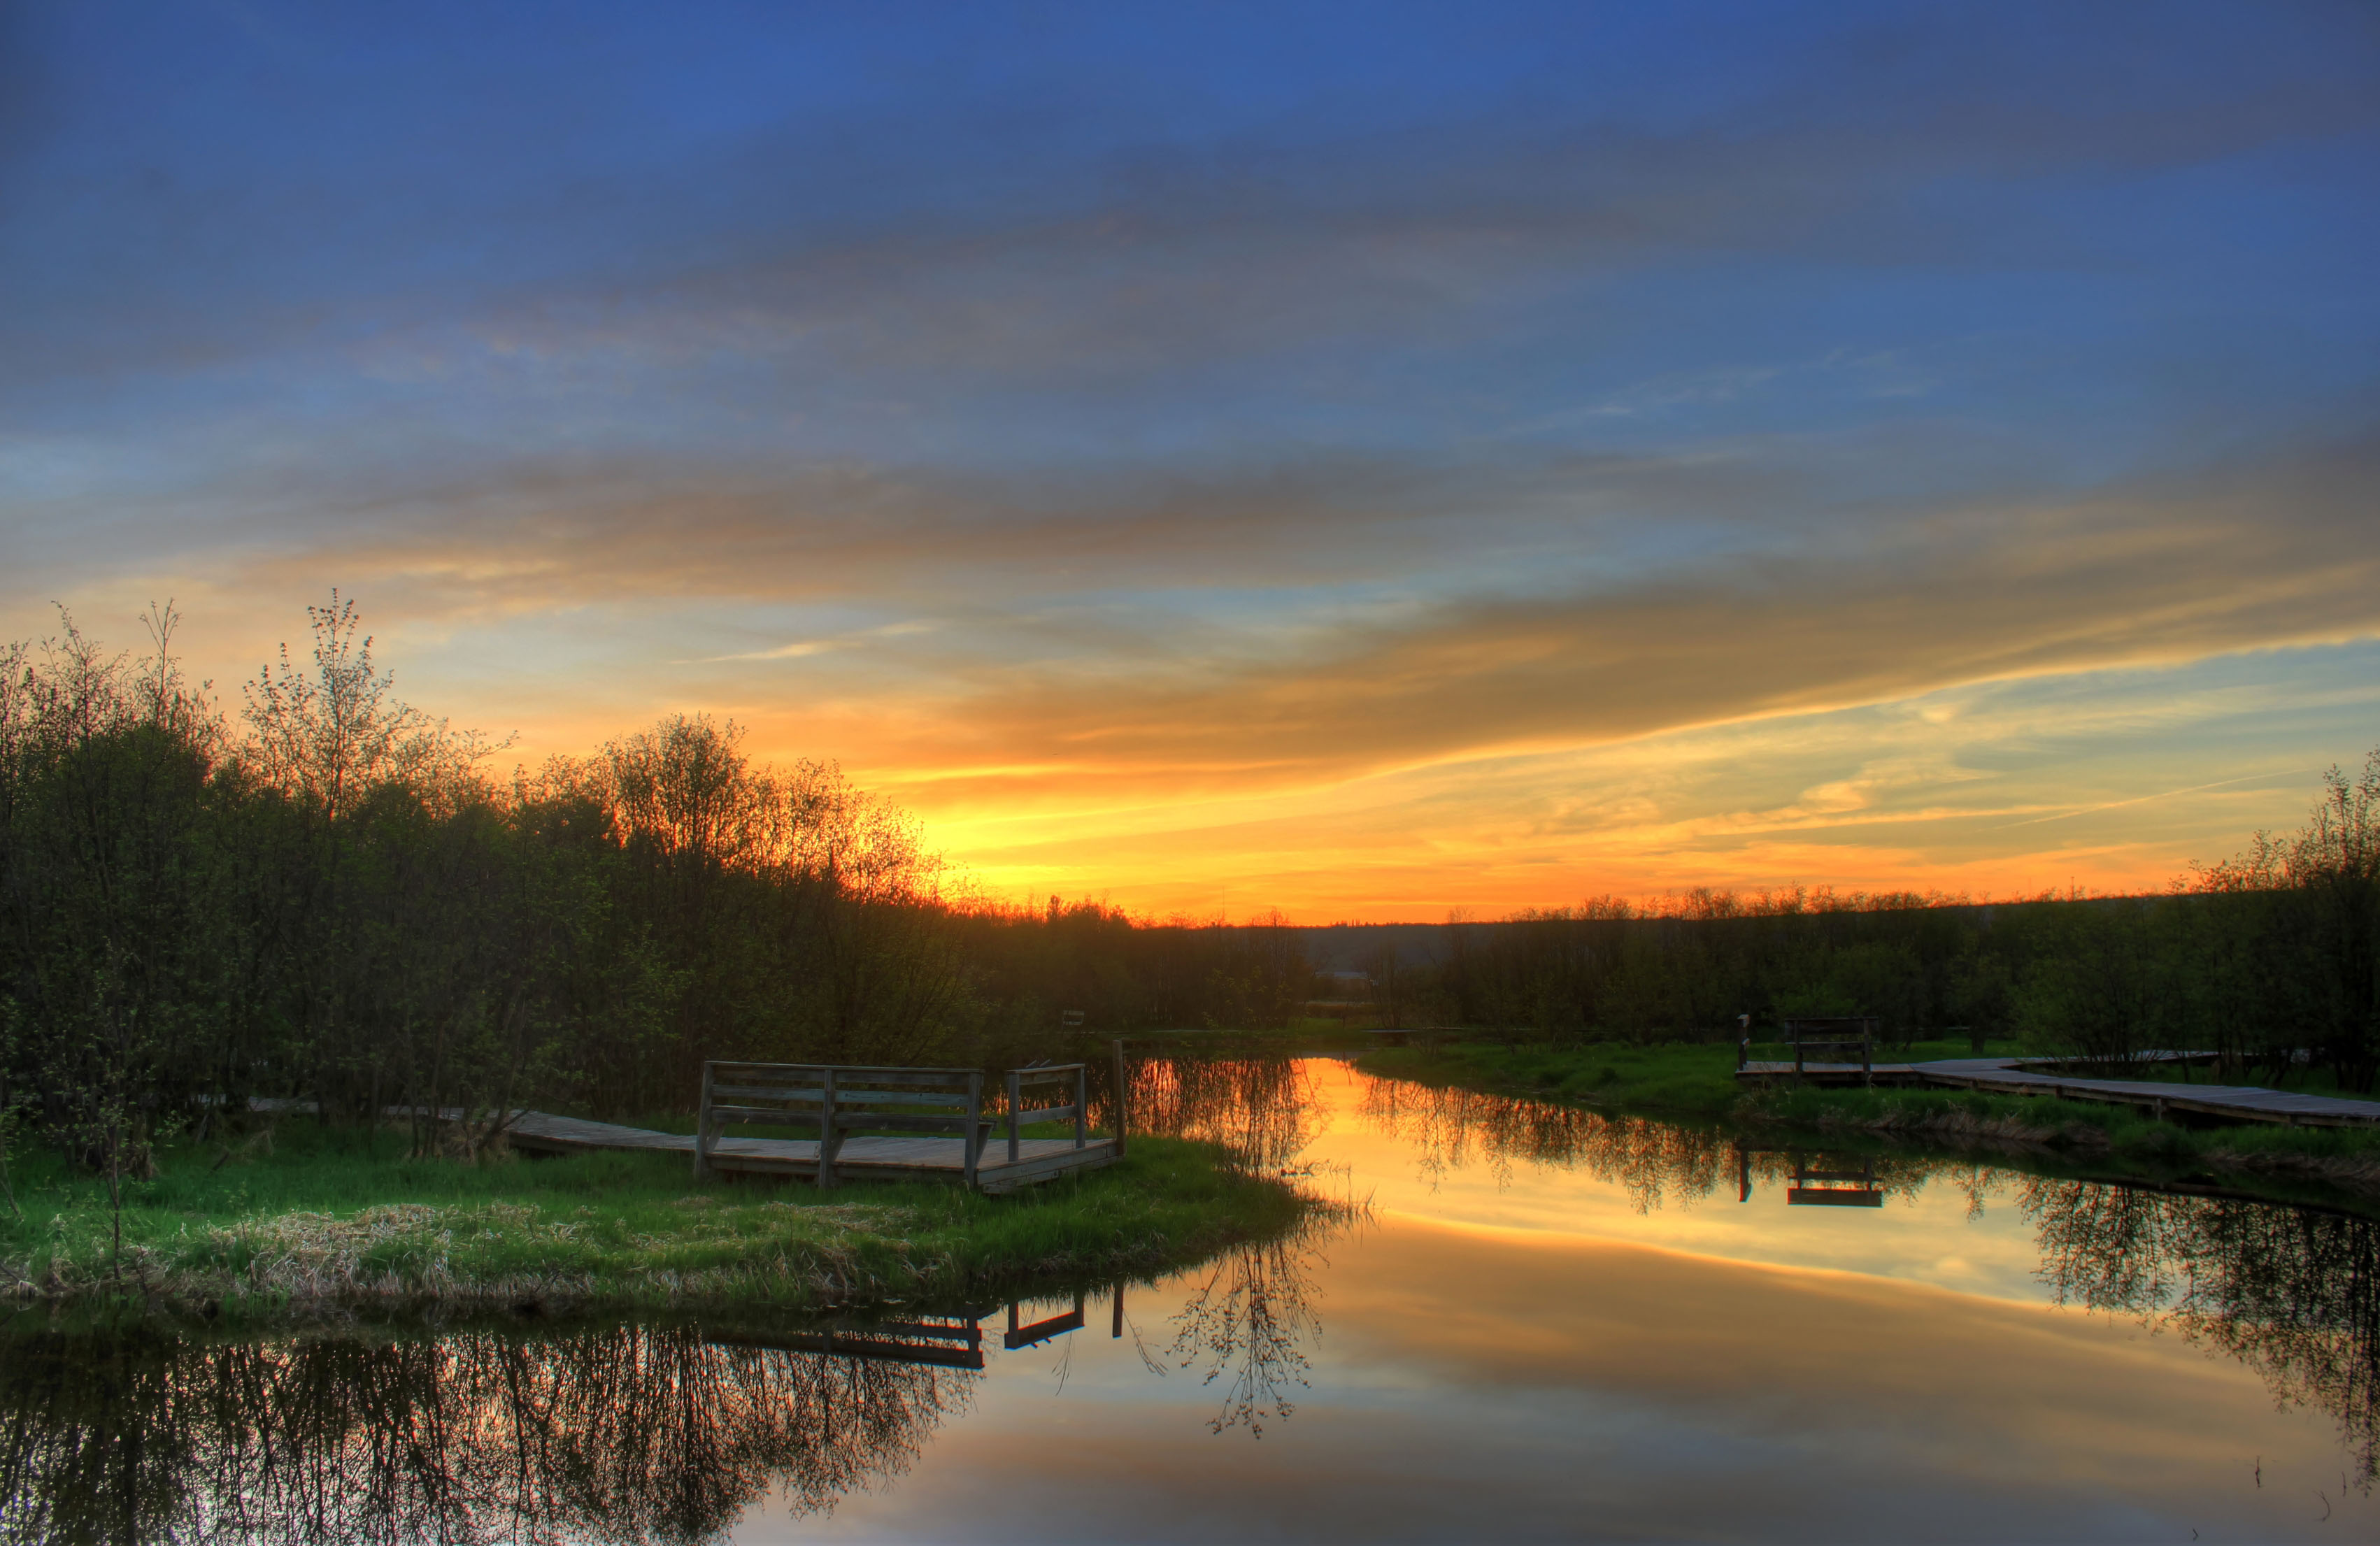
(326, 1218)
(1697, 1081)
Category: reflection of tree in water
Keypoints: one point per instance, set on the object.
(628, 1433)
(1246, 1321)
(1261, 1109)
(1651, 1161)
(1250, 1312)
(2294, 1293)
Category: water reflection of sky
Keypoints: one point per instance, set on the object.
(1519, 1350)
(1474, 1386)
(1551, 1326)
(1930, 1233)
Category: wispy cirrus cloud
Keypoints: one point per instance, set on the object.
(1204, 428)
(1279, 633)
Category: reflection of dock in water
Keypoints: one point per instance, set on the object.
(946, 1341)
(1813, 1187)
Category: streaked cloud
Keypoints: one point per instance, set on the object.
(1234, 452)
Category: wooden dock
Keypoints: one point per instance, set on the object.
(851, 1107)
(860, 1157)
(2033, 1076)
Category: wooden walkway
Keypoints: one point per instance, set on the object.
(2032, 1076)
(861, 1156)
(2247, 1103)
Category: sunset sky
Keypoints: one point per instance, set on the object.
(1370, 460)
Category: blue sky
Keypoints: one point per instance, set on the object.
(1112, 426)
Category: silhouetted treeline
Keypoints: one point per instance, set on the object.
(333, 898)
(2271, 959)
(333, 901)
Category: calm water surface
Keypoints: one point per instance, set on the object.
(1546, 1325)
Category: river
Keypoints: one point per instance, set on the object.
(1523, 1321)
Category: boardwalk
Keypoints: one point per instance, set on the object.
(934, 1159)
(2240, 1101)
(2033, 1076)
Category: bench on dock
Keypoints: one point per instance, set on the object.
(841, 1101)
(1819, 1033)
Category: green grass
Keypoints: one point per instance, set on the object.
(1697, 1081)
(1686, 1078)
(338, 1217)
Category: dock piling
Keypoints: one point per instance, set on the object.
(1123, 1090)
(703, 1128)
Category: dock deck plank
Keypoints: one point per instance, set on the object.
(2247, 1102)
(862, 1156)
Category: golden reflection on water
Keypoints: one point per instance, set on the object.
(2291, 1294)
(1247, 1318)
(1502, 1386)
(1650, 1162)
(1265, 1109)
(1548, 1316)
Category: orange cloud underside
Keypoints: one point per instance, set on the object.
(1989, 699)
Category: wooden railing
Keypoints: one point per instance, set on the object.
(1814, 1033)
(837, 1100)
(1071, 1074)
(1808, 1033)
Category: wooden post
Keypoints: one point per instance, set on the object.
(1115, 1051)
(1867, 1053)
(974, 1140)
(1117, 1329)
(702, 1128)
(1082, 1109)
(826, 1131)
(1014, 1099)
(1743, 1174)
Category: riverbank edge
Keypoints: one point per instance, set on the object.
(2115, 1142)
(742, 1247)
